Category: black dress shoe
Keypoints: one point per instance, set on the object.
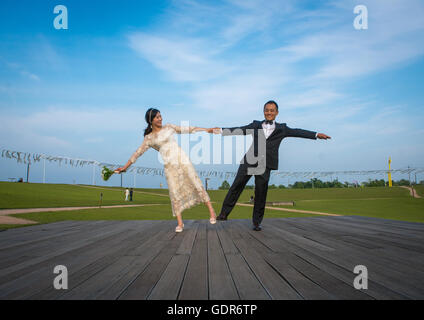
(221, 218)
(257, 228)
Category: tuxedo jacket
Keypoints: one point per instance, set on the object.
(280, 132)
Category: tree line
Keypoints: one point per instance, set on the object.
(317, 183)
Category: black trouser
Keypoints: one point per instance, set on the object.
(261, 189)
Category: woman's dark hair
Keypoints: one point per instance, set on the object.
(150, 115)
(271, 102)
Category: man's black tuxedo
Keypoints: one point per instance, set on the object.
(273, 142)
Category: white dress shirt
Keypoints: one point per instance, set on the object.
(268, 128)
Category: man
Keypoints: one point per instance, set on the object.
(267, 136)
(131, 194)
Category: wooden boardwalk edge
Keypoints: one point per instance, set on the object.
(291, 258)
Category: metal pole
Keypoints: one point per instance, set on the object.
(44, 171)
(134, 178)
(121, 179)
(93, 174)
(27, 172)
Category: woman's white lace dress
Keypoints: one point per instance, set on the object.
(185, 187)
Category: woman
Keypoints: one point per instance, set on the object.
(185, 187)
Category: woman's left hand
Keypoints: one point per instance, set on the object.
(215, 130)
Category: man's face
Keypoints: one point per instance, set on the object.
(270, 111)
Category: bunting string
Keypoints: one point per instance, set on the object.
(30, 158)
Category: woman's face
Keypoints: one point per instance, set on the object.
(157, 120)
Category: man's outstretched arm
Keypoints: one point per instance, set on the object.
(300, 133)
(237, 130)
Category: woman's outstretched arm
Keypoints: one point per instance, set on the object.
(190, 129)
(124, 168)
(141, 149)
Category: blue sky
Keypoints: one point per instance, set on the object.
(83, 92)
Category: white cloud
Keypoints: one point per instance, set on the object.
(221, 71)
(181, 59)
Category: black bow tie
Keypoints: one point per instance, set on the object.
(269, 122)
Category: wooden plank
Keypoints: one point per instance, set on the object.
(294, 258)
(188, 240)
(225, 239)
(375, 290)
(39, 282)
(248, 286)
(221, 284)
(147, 251)
(36, 262)
(328, 282)
(385, 263)
(12, 240)
(342, 264)
(141, 287)
(52, 236)
(276, 287)
(195, 284)
(304, 286)
(168, 286)
(338, 289)
(98, 278)
(42, 277)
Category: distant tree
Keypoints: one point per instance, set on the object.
(272, 186)
(249, 187)
(281, 186)
(401, 182)
(225, 185)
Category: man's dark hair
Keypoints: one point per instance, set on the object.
(271, 102)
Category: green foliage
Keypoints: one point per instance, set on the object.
(106, 173)
(401, 182)
(225, 185)
(317, 183)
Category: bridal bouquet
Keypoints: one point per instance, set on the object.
(106, 173)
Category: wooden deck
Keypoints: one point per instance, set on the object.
(292, 258)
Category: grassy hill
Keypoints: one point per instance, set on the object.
(389, 203)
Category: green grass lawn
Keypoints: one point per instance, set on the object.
(405, 209)
(389, 203)
(162, 212)
(420, 190)
(38, 195)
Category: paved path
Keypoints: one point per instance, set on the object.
(291, 258)
(143, 192)
(292, 210)
(412, 192)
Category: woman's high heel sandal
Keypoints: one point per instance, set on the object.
(179, 229)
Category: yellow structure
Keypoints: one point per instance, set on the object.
(390, 174)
